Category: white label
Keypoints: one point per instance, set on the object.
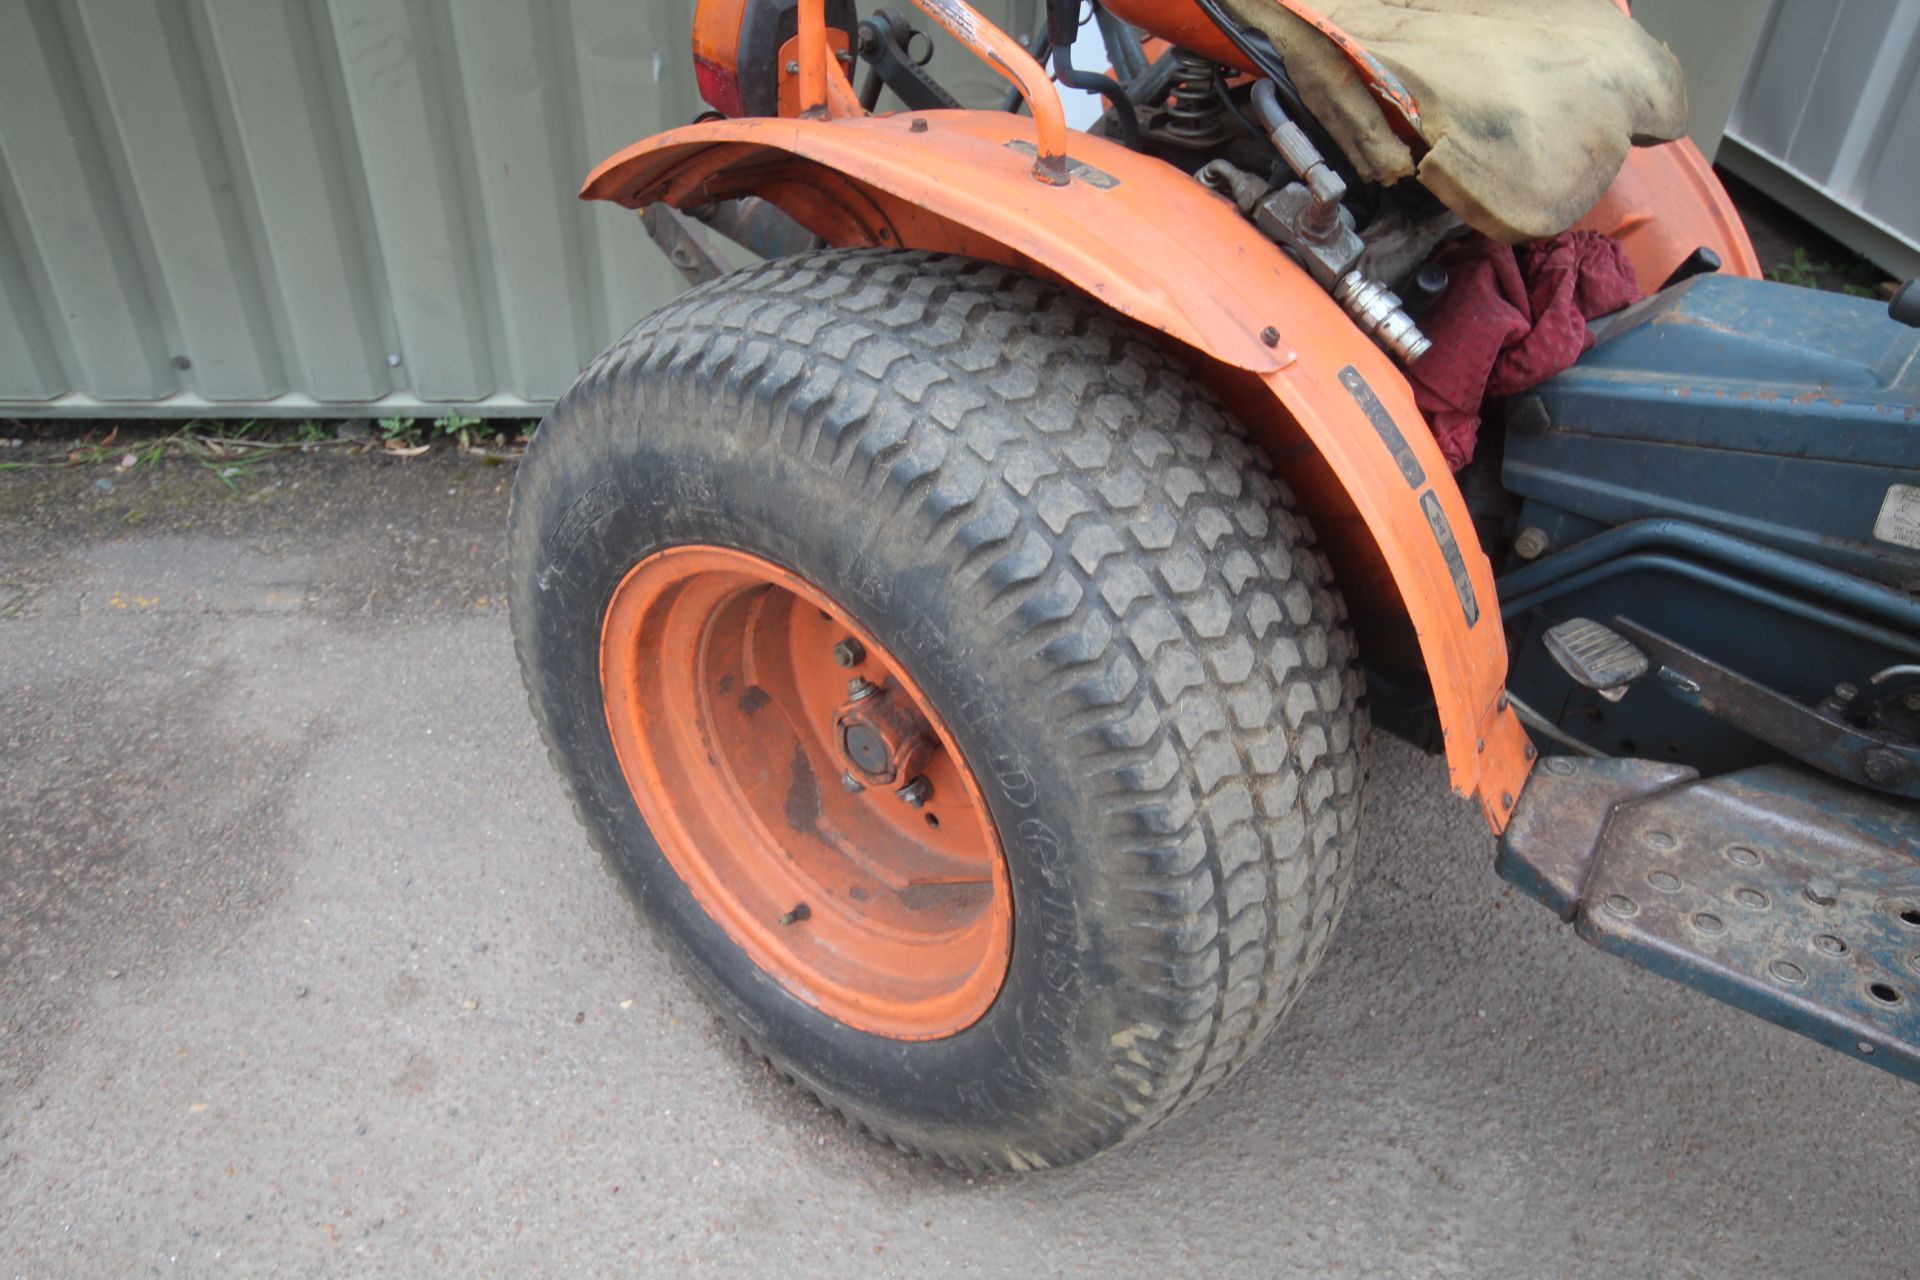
(955, 17)
(1899, 521)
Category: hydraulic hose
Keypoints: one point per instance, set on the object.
(1258, 50)
(1107, 88)
(1156, 82)
(1266, 103)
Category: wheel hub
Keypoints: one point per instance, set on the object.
(883, 738)
(807, 793)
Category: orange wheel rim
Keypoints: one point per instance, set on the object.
(806, 791)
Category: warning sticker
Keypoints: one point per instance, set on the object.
(1899, 521)
(955, 17)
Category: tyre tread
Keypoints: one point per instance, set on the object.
(1214, 693)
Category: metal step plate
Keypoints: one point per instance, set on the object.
(1782, 892)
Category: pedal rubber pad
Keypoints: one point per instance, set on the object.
(1596, 656)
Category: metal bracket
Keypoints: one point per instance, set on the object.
(759, 226)
(1814, 735)
(685, 243)
(885, 41)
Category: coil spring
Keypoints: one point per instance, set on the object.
(1193, 108)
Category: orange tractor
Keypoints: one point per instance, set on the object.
(961, 632)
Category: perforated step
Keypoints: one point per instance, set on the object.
(1782, 892)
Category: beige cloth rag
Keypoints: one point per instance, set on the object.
(1527, 107)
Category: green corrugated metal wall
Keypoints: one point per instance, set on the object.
(309, 207)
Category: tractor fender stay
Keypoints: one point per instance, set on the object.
(1144, 239)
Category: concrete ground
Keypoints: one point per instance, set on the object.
(305, 970)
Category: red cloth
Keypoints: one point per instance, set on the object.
(1510, 320)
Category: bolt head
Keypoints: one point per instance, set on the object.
(1270, 336)
(918, 126)
(1531, 543)
(916, 793)
(849, 652)
(860, 687)
(853, 785)
(1882, 767)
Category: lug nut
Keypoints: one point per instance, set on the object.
(849, 652)
(916, 792)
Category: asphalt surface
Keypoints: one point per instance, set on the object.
(305, 970)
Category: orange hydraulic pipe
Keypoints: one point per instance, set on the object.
(813, 57)
(1003, 53)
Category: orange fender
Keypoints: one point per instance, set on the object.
(1149, 242)
(1664, 204)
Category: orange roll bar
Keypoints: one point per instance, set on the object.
(1003, 53)
(813, 57)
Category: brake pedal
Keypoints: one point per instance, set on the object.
(1596, 656)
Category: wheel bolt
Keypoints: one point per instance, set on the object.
(849, 652)
(916, 792)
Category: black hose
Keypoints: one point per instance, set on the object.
(1156, 82)
(1088, 82)
(1266, 104)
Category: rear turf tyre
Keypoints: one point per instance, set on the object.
(1130, 649)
